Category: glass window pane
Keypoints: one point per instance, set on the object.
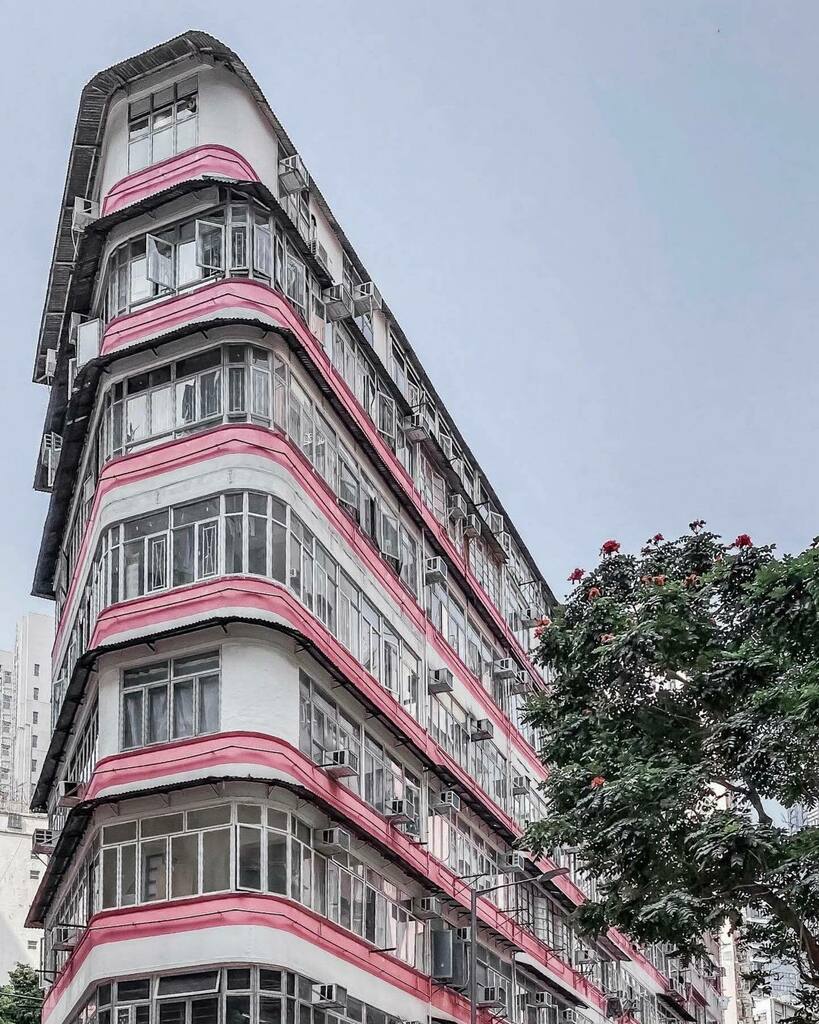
(216, 860)
(237, 1010)
(234, 557)
(183, 709)
(163, 144)
(183, 541)
(109, 877)
(157, 714)
(185, 865)
(257, 545)
(277, 863)
(208, 705)
(132, 719)
(153, 870)
(162, 410)
(250, 858)
(127, 896)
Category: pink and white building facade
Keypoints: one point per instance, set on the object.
(293, 618)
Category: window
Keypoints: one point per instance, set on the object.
(35, 717)
(162, 124)
(36, 693)
(34, 741)
(31, 944)
(170, 700)
(36, 668)
(15, 821)
(34, 874)
(34, 766)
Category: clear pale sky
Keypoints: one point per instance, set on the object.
(597, 222)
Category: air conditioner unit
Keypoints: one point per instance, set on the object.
(569, 1016)
(539, 999)
(319, 253)
(520, 684)
(614, 1004)
(441, 680)
(67, 943)
(367, 298)
(482, 729)
(494, 519)
(445, 441)
(521, 784)
(463, 934)
(85, 212)
(88, 340)
(445, 801)
(293, 176)
(457, 507)
(473, 526)
(43, 840)
(342, 764)
(583, 956)
(398, 812)
(329, 997)
(50, 364)
(338, 303)
(505, 541)
(426, 908)
(531, 617)
(69, 794)
(435, 570)
(331, 840)
(417, 427)
(52, 445)
(491, 997)
(504, 668)
(513, 863)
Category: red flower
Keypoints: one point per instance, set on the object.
(659, 580)
(692, 580)
(545, 621)
(696, 525)
(577, 575)
(657, 538)
(742, 541)
(593, 594)
(610, 547)
(597, 781)
(606, 638)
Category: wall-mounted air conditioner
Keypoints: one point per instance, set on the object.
(445, 802)
(52, 445)
(319, 253)
(417, 427)
(457, 507)
(481, 729)
(293, 176)
(435, 571)
(473, 526)
(504, 668)
(85, 212)
(398, 812)
(521, 784)
(582, 957)
(513, 863)
(491, 997)
(43, 840)
(341, 764)
(520, 683)
(440, 680)
(329, 997)
(367, 298)
(50, 364)
(531, 617)
(338, 303)
(426, 908)
(331, 840)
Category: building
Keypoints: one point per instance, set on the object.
(293, 616)
(25, 693)
(21, 870)
(32, 683)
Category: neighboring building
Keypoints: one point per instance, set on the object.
(25, 695)
(32, 683)
(800, 816)
(293, 616)
(20, 873)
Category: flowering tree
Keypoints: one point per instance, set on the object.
(684, 700)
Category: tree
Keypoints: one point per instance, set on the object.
(21, 998)
(683, 699)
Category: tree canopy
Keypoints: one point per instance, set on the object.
(21, 997)
(682, 708)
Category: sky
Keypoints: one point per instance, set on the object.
(597, 223)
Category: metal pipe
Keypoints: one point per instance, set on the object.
(473, 955)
